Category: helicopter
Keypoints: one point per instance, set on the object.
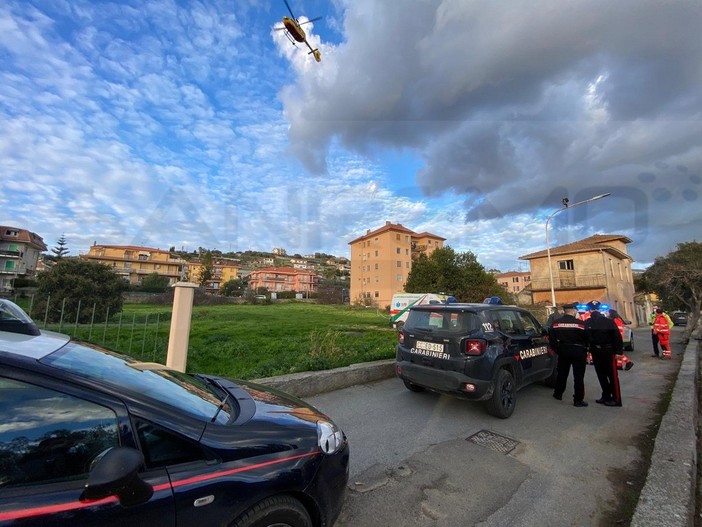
(294, 31)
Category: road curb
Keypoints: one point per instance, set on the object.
(668, 496)
(307, 384)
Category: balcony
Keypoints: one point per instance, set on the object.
(588, 281)
(12, 254)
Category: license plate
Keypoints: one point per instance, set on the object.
(429, 346)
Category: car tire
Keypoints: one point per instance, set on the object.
(281, 511)
(413, 387)
(629, 347)
(550, 381)
(504, 395)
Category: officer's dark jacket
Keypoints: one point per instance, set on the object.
(603, 333)
(567, 333)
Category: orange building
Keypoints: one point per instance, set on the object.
(382, 259)
(133, 263)
(284, 279)
(514, 281)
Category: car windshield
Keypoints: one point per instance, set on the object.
(443, 321)
(190, 394)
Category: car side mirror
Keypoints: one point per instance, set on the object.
(117, 474)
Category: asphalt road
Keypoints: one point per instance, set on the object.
(422, 459)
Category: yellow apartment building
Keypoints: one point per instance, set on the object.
(381, 260)
(133, 263)
(595, 268)
(223, 270)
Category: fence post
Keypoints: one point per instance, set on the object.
(158, 320)
(104, 331)
(179, 335)
(75, 326)
(46, 311)
(143, 338)
(63, 308)
(92, 319)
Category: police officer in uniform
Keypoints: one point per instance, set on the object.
(605, 344)
(569, 339)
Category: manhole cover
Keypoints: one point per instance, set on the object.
(498, 443)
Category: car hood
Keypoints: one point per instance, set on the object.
(266, 415)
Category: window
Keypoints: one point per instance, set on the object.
(611, 268)
(399, 278)
(50, 446)
(9, 265)
(406, 252)
(515, 279)
(397, 237)
(397, 250)
(143, 257)
(507, 322)
(376, 267)
(407, 265)
(399, 263)
(162, 447)
(377, 294)
(566, 265)
(621, 276)
(529, 324)
(376, 254)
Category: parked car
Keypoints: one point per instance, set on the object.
(481, 352)
(93, 437)
(679, 318)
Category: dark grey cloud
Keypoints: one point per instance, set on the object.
(507, 101)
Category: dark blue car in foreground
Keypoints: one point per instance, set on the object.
(91, 437)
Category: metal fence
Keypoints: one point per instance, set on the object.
(142, 335)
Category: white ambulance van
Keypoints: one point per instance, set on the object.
(402, 302)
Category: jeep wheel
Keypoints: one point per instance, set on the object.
(550, 381)
(413, 387)
(504, 396)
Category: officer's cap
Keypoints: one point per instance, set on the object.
(572, 305)
(593, 306)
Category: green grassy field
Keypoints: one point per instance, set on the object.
(250, 341)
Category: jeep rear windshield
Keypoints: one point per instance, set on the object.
(442, 321)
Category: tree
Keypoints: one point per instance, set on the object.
(61, 249)
(458, 274)
(72, 283)
(677, 279)
(233, 287)
(206, 269)
(155, 283)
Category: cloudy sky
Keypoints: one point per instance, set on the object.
(197, 124)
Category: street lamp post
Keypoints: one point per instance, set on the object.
(566, 205)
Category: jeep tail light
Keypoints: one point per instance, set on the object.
(401, 337)
(475, 346)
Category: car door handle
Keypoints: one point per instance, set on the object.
(201, 502)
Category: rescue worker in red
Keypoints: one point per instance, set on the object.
(622, 359)
(605, 343)
(661, 328)
(569, 339)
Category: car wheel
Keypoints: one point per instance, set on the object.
(630, 346)
(504, 396)
(413, 387)
(550, 381)
(276, 511)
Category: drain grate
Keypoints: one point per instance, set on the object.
(498, 443)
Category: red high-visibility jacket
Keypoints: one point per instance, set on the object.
(660, 324)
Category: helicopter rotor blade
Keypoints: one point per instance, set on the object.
(288, 6)
(311, 20)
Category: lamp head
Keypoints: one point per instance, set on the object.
(565, 201)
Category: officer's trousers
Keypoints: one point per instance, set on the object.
(606, 368)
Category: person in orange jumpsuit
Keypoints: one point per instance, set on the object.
(661, 328)
(622, 359)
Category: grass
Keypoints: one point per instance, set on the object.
(250, 341)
